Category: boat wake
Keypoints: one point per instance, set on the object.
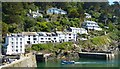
(85, 62)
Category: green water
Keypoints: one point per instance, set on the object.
(83, 63)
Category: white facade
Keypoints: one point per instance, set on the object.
(34, 14)
(87, 15)
(91, 25)
(56, 11)
(78, 30)
(16, 42)
(66, 36)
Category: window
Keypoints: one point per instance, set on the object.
(18, 35)
(20, 49)
(20, 42)
(20, 46)
(54, 38)
(28, 42)
(16, 46)
(16, 42)
(12, 46)
(28, 38)
(12, 42)
(34, 38)
(16, 38)
(42, 41)
(33, 35)
(16, 50)
(69, 34)
(20, 38)
(28, 35)
(48, 38)
(34, 41)
(41, 38)
(12, 38)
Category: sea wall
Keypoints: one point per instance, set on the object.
(28, 60)
(106, 56)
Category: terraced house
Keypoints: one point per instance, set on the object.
(16, 42)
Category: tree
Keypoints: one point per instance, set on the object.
(111, 27)
(73, 13)
(4, 28)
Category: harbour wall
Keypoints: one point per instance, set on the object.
(28, 60)
(106, 56)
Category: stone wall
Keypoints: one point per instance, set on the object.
(28, 60)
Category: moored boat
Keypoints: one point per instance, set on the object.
(67, 62)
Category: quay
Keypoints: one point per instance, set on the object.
(24, 60)
(40, 57)
(91, 55)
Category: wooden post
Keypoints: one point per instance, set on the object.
(45, 58)
(107, 56)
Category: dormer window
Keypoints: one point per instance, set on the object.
(33, 35)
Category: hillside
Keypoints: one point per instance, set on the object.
(15, 19)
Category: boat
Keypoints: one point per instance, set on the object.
(67, 62)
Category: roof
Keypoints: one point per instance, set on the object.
(77, 28)
(29, 33)
(90, 21)
(60, 32)
(57, 9)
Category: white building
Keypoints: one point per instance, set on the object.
(66, 36)
(91, 25)
(56, 11)
(77, 30)
(34, 14)
(87, 15)
(16, 43)
(30, 37)
(45, 37)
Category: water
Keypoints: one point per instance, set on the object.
(83, 63)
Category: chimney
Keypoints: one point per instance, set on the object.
(30, 11)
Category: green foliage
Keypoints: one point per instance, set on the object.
(99, 41)
(114, 35)
(73, 13)
(4, 28)
(52, 46)
(38, 47)
(15, 19)
(111, 27)
(64, 46)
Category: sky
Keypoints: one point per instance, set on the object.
(111, 1)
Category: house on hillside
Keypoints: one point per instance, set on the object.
(16, 43)
(91, 25)
(87, 15)
(55, 11)
(34, 14)
(77, 30)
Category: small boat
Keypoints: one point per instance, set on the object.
(67, 62)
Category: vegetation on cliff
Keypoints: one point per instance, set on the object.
(15, 19)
